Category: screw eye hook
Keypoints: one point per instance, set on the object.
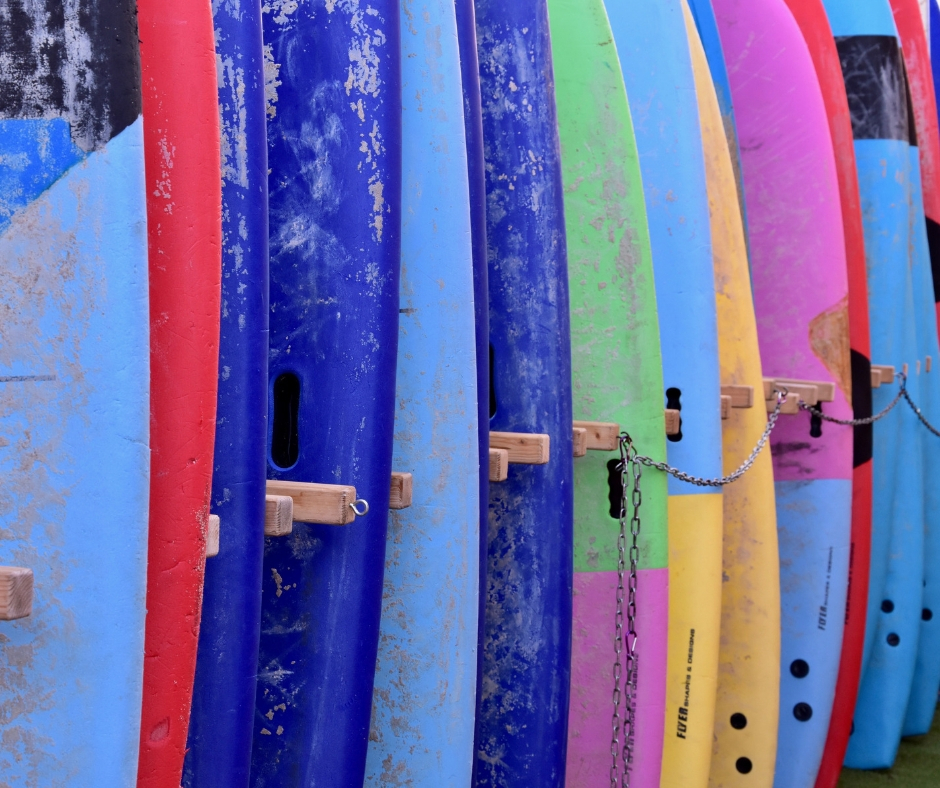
(362, 509)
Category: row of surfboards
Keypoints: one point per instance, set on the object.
(263, 269)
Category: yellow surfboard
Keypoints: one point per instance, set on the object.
(746, 709)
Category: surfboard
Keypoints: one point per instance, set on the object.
(476, 183)
(925, 213)
(522, 711)
(181, 146)
(707, 27)
(801, 306)
(866, 38)
(220, 728)
(334, 154)
(74, 395)
(746, 708)
(654, 54)
(810, 16)
(617, 377)
(425, 680)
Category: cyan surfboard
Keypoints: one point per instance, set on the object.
(334, 154)
(220, 728)
(873, 71)
(522, 711)
(74, 394)
(654, 53)
(425, 680)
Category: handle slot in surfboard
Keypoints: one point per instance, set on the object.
(524, 448)
(499, 465)
(401, 490)
(16, 592)
(212, 536)
(328, 504)
(278, 515)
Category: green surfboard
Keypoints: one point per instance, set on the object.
(617, 377)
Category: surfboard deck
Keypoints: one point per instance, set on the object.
(220, 728)
(803, 332)
(925, 271)
(654, 53)
(522, 713)
(74, 395)
(181, 145)
(334, 152)
(425, 682)
(616, 377)
(749, 655)
(810, 15)
(866, 36)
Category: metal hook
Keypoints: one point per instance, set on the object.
(365, 507)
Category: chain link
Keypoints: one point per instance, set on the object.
(902, 392)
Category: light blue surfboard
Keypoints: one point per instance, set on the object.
(425, 677)
(74, 396)
(871, 65)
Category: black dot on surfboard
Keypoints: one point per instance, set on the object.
(799, 668)
(803, 712)
(743, 765)
(887, 606)
(738, 721)
(926, 614)
(893, 639)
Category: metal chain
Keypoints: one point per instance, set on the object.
(902, 392)
(920, 415)
(743, 468)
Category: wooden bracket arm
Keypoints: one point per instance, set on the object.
(16, 592)
(725, 406)
(791, 404)
(212, 536)
(881, 373)
(524, 448)
(328, 504)
(401, 491)
(499, 465)
(278, 515)
(741, 396)
(673, 419)
(601, 435)
(825, 389)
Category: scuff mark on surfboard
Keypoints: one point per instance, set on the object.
(272, 70)
(829, 340)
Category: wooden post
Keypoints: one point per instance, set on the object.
(524, 448)
(741, 396)
(328, 504)
(579, 441)
(673, 418)
(601, 435)
(212, 536)
(16, 592)
(401, 491)
(499, 465)
(278, 515)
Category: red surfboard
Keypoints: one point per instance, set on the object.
(811, 17)
(184, 226)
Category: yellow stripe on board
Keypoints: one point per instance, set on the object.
(747, 703)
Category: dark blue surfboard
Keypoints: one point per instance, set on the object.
(74, 392)
(476, 171)
(220, 727)
(522, 711)
(334, 154)
(873, 71)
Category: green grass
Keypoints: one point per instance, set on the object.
(917, 765)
